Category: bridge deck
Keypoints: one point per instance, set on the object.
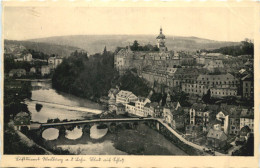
(98, 121)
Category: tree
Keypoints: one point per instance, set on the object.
(206, 97)
(155, 48)
(135, 46)
(105, 51)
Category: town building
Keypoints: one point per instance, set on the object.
(140, 107)
(223, 92)
(32, 70)
(223, 117)
(212, 65)
(27, 57)
(57, 61)
(199, 114)
(248, 87)
(174, 116)
(45, 70)
(120, 109)
(193, 131)
(17, 73)
(156, 110)
(220, 81)
(22, 120)
(234, 120)
(53, 62)
(222, 85)
(194, 88)
(125, 97)
(247, 119)
(18, 59)
(216, 138)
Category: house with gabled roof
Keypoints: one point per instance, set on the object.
(125, 97)
(216, 138)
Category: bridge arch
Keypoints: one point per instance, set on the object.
(112, 127)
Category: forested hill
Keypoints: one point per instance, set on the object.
(92, 77)
(95, 43)
(46, 48)
(245, 48)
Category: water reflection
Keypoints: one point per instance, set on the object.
(104, 148)
(96, 133)
(50, 134)
(76, 133)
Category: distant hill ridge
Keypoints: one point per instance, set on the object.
(45, 47)
(96, 43)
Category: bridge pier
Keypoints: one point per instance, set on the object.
(62, 132)
(158, 126)
(86, 129)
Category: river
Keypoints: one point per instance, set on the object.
(141, 140)
(58, 105)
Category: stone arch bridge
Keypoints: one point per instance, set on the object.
(111, 124)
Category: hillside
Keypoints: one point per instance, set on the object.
(96, 43)
(45, 47)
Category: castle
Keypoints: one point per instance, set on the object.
(127, 59)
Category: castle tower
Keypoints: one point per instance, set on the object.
(161, 41)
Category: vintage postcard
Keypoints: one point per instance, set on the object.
(144, 84)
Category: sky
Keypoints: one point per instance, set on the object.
(215, 23)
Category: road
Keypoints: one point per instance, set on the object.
(233, 148)
(185, 141)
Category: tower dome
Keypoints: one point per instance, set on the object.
(161, 35)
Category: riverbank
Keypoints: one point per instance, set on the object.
(15, 142)
(144, 141)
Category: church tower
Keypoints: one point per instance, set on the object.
(161, 41)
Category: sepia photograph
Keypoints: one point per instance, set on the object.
(150, 81)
